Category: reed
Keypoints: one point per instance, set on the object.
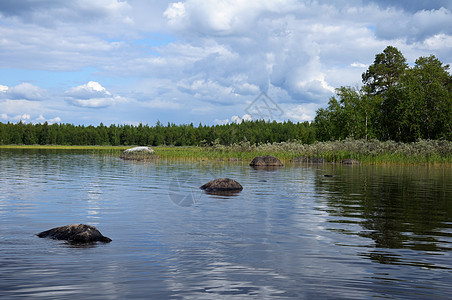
(366, 151)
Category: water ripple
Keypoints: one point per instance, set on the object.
(291, 233)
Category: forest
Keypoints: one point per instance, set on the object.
(255, 132)
(396, 103)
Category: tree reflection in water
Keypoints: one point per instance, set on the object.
(396, 207)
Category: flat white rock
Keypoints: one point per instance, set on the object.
(139, 149)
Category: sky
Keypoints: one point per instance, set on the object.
(87, 62)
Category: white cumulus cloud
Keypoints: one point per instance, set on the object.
(41, 119)
(234, 119)
(92, 95)
(23, 91)
(23, 117)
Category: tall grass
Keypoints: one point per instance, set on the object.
(370, 151)
(366, 151)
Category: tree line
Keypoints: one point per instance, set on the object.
(255, 132)
(396, 102)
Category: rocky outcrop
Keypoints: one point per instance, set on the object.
(266, 161)
(349, 161)
(75, 233)
(139, 153)
(222, 185)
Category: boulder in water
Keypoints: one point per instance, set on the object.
(75, 233)
(222, 185)
(265, 161)
(139, 153)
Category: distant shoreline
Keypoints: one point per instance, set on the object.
(380, 153)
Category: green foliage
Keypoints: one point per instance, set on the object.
(366, 151)
(429, 91)
(396, 102)
(370, 151)
(349, 115)
(385, 72)
(176, 135)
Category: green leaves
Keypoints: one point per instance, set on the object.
(385, 72)
(428, 88)
(396, 102)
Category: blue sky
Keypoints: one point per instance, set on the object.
(138, 61)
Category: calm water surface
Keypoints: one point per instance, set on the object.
(367, 232)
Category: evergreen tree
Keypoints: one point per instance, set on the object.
(385, 72)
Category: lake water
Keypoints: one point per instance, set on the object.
(367, 232)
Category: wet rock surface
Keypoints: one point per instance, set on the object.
(265, 161)
(75, 233)
(222, 185)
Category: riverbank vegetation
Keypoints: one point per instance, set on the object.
(366, 151)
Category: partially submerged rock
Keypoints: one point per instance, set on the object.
(139, 153)
(222, 185)
(265, 161)
(75, 233)
(349, 161)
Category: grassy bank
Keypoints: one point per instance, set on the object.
(366, 151)
(373, 151)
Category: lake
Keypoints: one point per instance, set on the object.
(366, 232)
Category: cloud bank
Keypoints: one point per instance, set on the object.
(201, 61)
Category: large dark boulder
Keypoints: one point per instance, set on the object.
(222, 185)
(139, 153)
(349, 161)
(75, 233)
(265, 161)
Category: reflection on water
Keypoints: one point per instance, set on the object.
(367, 231)
(395, 207)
